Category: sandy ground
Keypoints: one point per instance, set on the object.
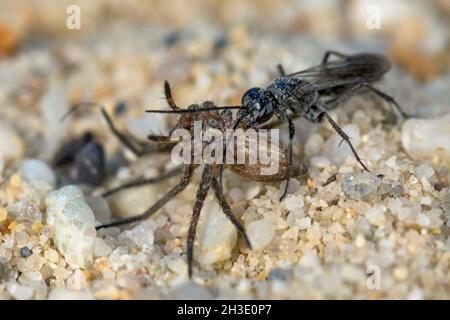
(382, 235)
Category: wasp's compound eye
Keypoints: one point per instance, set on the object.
(252, 96)
(258, 105)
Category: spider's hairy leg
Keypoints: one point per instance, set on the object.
(188, 171)
(202, 192)
(143, 181)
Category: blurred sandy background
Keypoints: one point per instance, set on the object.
(408, 29)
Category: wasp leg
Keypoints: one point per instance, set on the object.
(291, 137)
(279, 122)
(389, 99)
(344, 97)
(331, 52)
(187, 176)
(343, 135)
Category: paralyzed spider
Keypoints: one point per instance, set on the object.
(212, 118)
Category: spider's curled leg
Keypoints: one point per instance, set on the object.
(142, 181)
(169, 97)
(187, 176)
(129, 141)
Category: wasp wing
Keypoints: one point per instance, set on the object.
(342, 71)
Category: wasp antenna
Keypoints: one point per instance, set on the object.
(230, 107)
(193, 110)
(171, 111)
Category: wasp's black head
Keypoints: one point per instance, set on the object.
(257, 106)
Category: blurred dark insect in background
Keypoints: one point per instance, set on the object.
(85, 159)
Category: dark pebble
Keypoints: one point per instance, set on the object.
(280, 274)
(173, 38)
(220, 43)
(25, 252)
(120, 108)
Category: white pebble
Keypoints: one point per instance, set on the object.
(150, 123)
(217, 236)
(203, 81)
(293, 203)
(424, 171)
(189, 289)
(400, 273)
(36, 170)
(261, 233)
(142, 235)
(11, 145)
(319, 162)
(176, 264)
(426, 201)
(51, 255)
(74, 224)
(18, 291)
(375, 215)
(309, 259)
(101, 248)
(423, 220)
(360, 241)
(100, 207)
(336, 228)
(416, 294)
(313, 145)
(133, 201)
(61, 293)
(236, 195)
(252, 191)
(77, 280)
(427, 139)
(53, 106)
(360, 186)
(32, 276)
(337, 152)
(304, 223)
